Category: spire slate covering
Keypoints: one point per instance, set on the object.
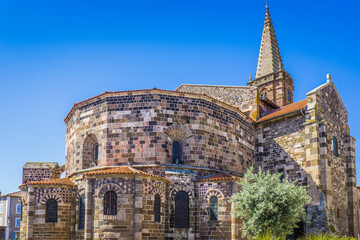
(269, 60)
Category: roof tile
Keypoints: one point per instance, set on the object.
(58, 181)
(127, 170)
(284, 110)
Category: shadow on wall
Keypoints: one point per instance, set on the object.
(280, 148)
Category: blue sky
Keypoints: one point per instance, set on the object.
(56, 53)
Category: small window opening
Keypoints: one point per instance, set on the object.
(110, 203)
(51, 214)
(289, 95)
(181, 210)
(157, 205)
(213, 208)
(335, 147)
(82, 212)
(96, 153)
(176, 152)
(282, 177)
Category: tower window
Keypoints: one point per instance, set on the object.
(289, 94)
(263, 94)
(110, 203)
(82, 212)
(51, 214)
(176, 152)
(181, 210)
(96, 153)
(335, 147)
(157, 205)
(214, 208)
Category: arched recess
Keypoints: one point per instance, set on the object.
(263, 93)
(157, 190)
(51, 196)
(109, 187)
(213, 192)
(80, 209)
(182, 193)
(90, 152)
(177, 136)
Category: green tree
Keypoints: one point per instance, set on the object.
(266, 203)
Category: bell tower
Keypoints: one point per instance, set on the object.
(273, 82)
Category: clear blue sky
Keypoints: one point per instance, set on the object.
(56, 53)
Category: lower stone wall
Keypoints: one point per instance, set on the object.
(220, 229)
(47, 231)
(150, 229)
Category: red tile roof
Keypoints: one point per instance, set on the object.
(58, 181)
(284, 110)
(126, 170)
(219, 177)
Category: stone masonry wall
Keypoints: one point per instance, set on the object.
(280, 147)
(139, 129)
(244, 98)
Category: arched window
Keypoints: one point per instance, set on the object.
(90, 152)
(82, 212)
(335, 147)
(51, 213)
(263, 94)
(214, 208)
(110, 203)
(181, 210)
(176, 152)
(157, 205)
(96, 153)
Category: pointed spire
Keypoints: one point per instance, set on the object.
(269, 60)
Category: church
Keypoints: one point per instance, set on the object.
(162, 164)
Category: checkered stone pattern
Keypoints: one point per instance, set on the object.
(224, 187)
(64, 193)
(127, 185)
(154, 187)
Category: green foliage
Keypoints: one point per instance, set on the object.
(267, 236)
(326, 236)
(265, 203)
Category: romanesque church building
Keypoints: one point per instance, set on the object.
(162, 164)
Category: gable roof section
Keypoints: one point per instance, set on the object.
(284, 110)
(328, 84)
(123, 170)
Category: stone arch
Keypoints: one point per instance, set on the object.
(182, 188)
(263, 93)
(89, 146)
(213, 192)
(51, 196)
(79, 193)
(181, 134)
(178, 132)
(109, 187)
(157, 190)
(191, 197)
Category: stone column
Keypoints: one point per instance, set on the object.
(30, 214)
(353, 200)
(88, 209)
(234, 224)
(138, 205)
